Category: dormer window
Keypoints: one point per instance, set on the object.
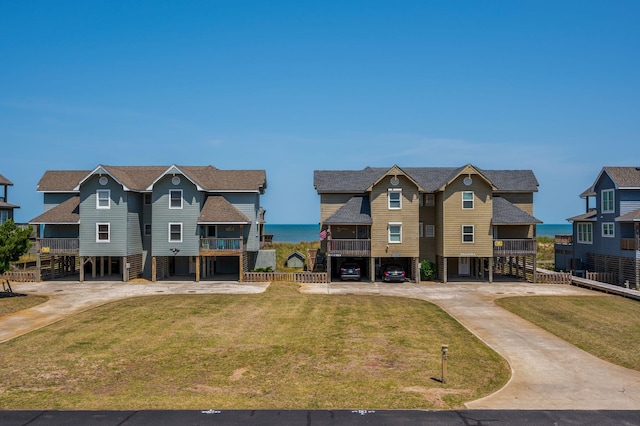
(394, 195)
(103, 199)
(175, 199)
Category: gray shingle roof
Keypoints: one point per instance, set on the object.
(431, 179)
(505, 213)
(67, 212)
(356, 211)
(4, 205)
(217, 209)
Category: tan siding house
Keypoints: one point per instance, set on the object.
(465, 220)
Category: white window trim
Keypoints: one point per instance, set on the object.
(473, 234)
(473, 196)
(398, 224)
(582, 241)
(98, 240)
(394, 191)
(613, 201)
(181, 234)
(181, 199)
(98, 198)
(608, 225)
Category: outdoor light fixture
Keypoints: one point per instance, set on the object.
(175, 250)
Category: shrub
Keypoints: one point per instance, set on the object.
(427, 270)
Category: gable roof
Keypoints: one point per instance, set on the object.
(356, 211)
(622, 177)
(142, 178)
(217, 210)
(505, 213)
(430, 179)
(67, 212)
(5, 181)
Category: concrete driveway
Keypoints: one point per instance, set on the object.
(548, 373)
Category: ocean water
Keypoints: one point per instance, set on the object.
(284, 233)
(293, 233)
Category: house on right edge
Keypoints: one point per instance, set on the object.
(469, 222)
(606, 237)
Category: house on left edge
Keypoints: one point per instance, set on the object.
(150, 222)
(6, 209)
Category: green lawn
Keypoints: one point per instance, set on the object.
(280, 349)
(9, 305)
(605, 326)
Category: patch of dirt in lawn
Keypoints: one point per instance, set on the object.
(435, 395)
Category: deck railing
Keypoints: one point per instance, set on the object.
(59, 245)
(629, 244)
(565, 240)
(221, 245)
(350, 247)
(514, 247)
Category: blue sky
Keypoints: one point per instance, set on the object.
(296, 86)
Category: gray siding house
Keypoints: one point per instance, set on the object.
(606, 237)
(151, 221)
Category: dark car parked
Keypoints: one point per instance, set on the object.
(393, 272)
(350, 271)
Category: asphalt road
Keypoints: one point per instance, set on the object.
(320, 417)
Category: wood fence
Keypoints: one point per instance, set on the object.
(299, 277)
(553, 277)
(603, 277)
(20, 276)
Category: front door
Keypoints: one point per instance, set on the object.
(463, 266)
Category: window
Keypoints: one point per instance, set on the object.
(147, 229)
(429, 231)
(395, 198)
(103, 232)
(175, 199)
(607, 201)
(429, 200)
(4, 216)
(585, 233)
(467, 233)
(608, 230)
(147, 198)
(395, 233)
(467, 199)
(103, 199)
(421, 230)
(175, 232)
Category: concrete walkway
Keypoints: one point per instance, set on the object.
(548, 373)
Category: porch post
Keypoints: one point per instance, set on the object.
(153, 269)
(491, 270)
(197, 269)
(444, 270)
(372, 269)
(101, 266)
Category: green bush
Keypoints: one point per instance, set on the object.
(427, 270)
